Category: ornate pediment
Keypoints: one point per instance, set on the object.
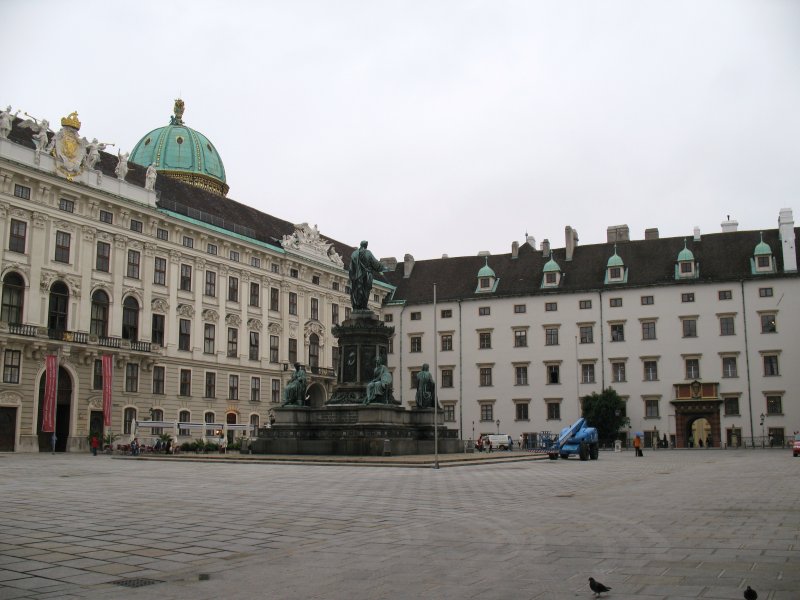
(233, 320)
(254, 324)
(210, 315)
(159, 305)
(185, 310)
(306, 241)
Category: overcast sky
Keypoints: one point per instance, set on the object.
(432, 126)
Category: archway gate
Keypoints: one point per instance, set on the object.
(693, 401)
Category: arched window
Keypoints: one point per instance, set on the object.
(130, 319)
(157, 415)
(209, 418)
(254, 425)
(130, 417)
(231, 419)
(13, 298)
(184, 417)
(58, 309)
(99, 320)
(313, 351)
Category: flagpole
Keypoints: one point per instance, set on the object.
(435, 399)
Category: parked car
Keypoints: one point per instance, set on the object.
(796, 445)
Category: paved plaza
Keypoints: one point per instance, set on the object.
(676, 524)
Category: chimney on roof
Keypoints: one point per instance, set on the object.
(617, 233)
(545, 247)
(514, 249)
(530, 240)
(408, 266)
(445, 256)
(571, 236)
(390, 263)
(651, 233)
(786, 234)
(484, 253)
(696, 233)
(729, 226)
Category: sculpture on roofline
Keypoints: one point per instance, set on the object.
(122, 164)
(6, 120)
(40, 130)
(93, 150)
(363, 266)
(150, 178)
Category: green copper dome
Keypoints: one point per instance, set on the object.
(486, 270)
(551, 266)
(615, 260)
(762, 248)
(685, 254)
(182, 153)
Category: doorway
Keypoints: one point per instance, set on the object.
(8, 428)
(700, 433)
(63, 412)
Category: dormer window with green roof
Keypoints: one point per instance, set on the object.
(685, 266)
(487, 280)
(551, 274)
(762, 261)
(615, 269)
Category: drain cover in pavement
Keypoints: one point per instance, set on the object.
(135, 583)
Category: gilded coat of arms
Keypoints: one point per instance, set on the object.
(69, 149)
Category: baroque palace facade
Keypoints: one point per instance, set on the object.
(203, 302)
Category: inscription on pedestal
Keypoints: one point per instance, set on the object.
(347, 416)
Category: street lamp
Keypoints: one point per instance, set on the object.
(498, 426)
(762, 429)
(473, 430)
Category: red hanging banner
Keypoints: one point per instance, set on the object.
(50, 389)
(108, 370)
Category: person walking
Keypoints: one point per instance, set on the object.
(95, 444)
(53, 440)
(637, 445)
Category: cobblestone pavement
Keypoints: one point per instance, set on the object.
(672, 525)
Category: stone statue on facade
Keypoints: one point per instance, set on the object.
(426, 388)
(150, 178)
(122, 165)
(363, 266)
(93, 150)
(40, 130)
(6, 120)
(379, 389)
(295, 392)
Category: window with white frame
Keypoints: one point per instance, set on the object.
(521, 375)
(553, 410)
(774, 404)
(521, 410)
(731, 406)
(651, 410)
(770, 365)
(618, 371)
(586, 333)
(650, 369)
(729, 367)
(587, 372)
(726, 325)
(692, 368)
(689, 325)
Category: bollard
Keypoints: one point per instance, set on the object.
(387, 447)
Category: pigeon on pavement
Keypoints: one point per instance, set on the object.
(750, 594)
(597, 587)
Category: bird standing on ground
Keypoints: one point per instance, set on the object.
(597, 587)
(750, 594)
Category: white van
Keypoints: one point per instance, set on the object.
(499, 442)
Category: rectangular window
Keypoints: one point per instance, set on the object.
(162, 234)
(63, 240)
(335, 286)
(416, 316)
(416, 343)
(22, 191)
(520, 308)
(346, 313)
(134, 258)
(273, 348)
(233, 342)
(255, 389)
(66, 205)
(484, 340)
(726, 326)
(292, 303)
(315, 309)
(447, 342)
(550, 306)
(765, 292)
(689, 328)
(587, 373)
(446, 313)
(485, 376)
(388, 318)
(106, 217)
(650, 370)
(487, 412)
(447, 378)
(103, 259)
(209, 337)
(520, 338)
(484, 311)
(335, 314)
(256, 262)
(184, 334)
(585, 304)
(521, 409)
(618, 332)
(586, 334)
(615, 302)
(275, 391)
(768, 324)
(136, 226)
(731, 406)
(294, 273)
(254, 351)
(618, 372)
(553, 374)
(210, 288)
(255, 294)
(273, 298)
(729, 367)
(160, 271)
(18, 234)
(292, 350)
(210, 390)
(725, 295)
(692, 368)
(157, 329)
(185, 388)
(12, 360)
(449, 412)
(188, 241)
(131, 377)
(521, 375)
(211, 249)
(233, 289)
(97, 375)
(648, 330)
(771, 365)
(687, 297)
(159, 376)
(186, 278)
(651, 408)
(551, 336)
(647, 300)
(553, 411)
(233, 387)
(774, 405)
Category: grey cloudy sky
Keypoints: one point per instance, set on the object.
(439, 126)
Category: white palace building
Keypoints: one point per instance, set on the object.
(204, 303)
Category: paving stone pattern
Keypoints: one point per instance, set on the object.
(672, 525)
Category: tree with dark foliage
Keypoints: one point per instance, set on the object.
(606, 412)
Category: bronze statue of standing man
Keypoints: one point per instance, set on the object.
(363, 266)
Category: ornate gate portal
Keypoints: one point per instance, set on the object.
(695, 401)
